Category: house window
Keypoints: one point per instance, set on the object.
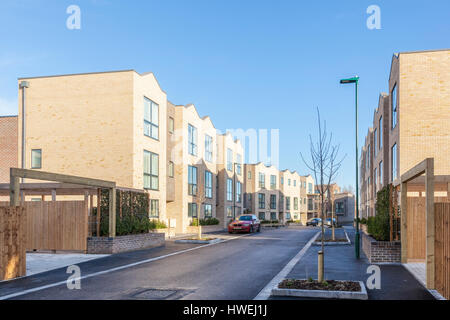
(192, 210)
(192, 140)
(36, 159)
(262, 216)
(208, 184)
(273, 182)
(394, 106)
(273, 201)
(261, 201)
(192, 180)
(171, 169)
(238, 191)
(288, 216)
(208, 148)
(295, 203)
(289, 182)
(394, 162)
(151, 170)
(339, 207)
(273, 216)
(229, 190)
(310, 204)
(282, 181)
(238, 164)
(288, 203)
(171, 125)
(310, 188)
(381, 172)
(375, 149)
(262, 180)
(295, 183)
(229, 212)
(380, 127)
(154, 208)
(207, 210)
(151, 119)
(249, 175)
(229, 160)
(375, 181)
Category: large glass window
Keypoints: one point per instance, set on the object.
(171, 125)
(262, 216)
(192, 210)
(171, 169)
(208, 148)
(192, 180)
(261, 201)
(151, 170)
(375, 149)
(310, 188)
(238, 164)
(394, 106)
(273, 182)
(229, 190)
(295, 203)
(273, 201)
(154, 208)
(151, 119)
(208, 184)
(262, 180)
(229, 159)
(381, 172)
(207, 210)
(394, 162)
(229, 212)
(36, 159)
(192, 140)
(380, 127)
(273, 216)
(288, 203)
(238, 191)
(249, 175)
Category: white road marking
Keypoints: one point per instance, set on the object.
(265, 293)
(51, 285)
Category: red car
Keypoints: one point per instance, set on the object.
(245, 223)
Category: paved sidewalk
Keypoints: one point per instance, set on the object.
(340, 264)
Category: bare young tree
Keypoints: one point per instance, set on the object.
(325, 165)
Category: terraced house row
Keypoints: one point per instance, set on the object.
(411, 123)
(120, 126)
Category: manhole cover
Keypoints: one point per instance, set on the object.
(155, 294)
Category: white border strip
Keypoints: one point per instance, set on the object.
(21, 293)
(265, 293)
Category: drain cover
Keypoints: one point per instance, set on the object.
(155, 294)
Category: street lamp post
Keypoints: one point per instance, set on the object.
(355, 80)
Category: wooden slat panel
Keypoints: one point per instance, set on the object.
(12, 248)
(416, 231)
(442, 248)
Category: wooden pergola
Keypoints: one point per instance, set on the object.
(66, 185)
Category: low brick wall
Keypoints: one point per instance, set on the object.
(102, 245)
(381, 251)
(205, 229)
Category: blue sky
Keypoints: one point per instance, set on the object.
(246, 64)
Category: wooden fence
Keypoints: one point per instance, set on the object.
(442, 248)
(416, 229)
(56, 225)
(12, 242)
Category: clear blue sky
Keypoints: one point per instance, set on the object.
(247, 64)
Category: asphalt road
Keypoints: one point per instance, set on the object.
(236, 269)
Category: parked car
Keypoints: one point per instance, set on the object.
(314, 222)
(245, 223)
(328, 222)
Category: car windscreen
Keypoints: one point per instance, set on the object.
(245, 218)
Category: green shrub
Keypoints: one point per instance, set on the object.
(205, 222)
(265, 222)
(156, 224)
(379, 226)
(363, 221)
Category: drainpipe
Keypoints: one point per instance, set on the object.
(23, 85)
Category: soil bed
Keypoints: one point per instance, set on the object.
(329, 285)
(331, 240)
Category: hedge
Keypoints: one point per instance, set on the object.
(379, 226)
(205, 222)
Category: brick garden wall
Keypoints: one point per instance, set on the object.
(102, 245)
(8, 146)
(381, 251)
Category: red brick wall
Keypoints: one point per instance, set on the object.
(8, 146)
